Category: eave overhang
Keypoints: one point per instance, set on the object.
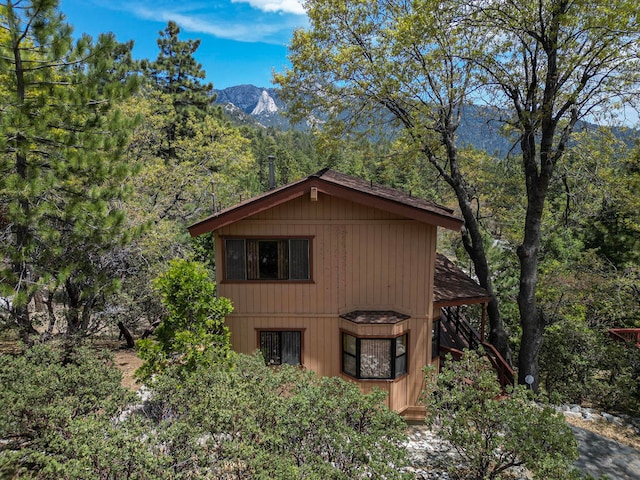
(340, 186)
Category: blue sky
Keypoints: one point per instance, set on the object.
(242, 41)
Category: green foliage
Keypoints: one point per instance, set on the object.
(256, 421)
(618, 379)
(177, 74)
(61, 170)
(50, 396)
(193, 331)
(494, 432)
(614, 229)
(569, 360)
(64, 415)
(582, 365)
(213, 170)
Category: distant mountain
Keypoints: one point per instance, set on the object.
(479, 128)
(250, 104)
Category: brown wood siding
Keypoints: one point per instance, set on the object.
(321, 338)
(358, 263)
(362, 259)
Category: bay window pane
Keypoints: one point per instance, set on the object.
(401, 365)
(349, 344)
(375, 358)
(401, 345)
(349, 364)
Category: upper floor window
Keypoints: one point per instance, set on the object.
(374, 358)
(267, 259)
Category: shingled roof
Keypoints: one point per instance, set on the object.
(338, 185)
(454, 287)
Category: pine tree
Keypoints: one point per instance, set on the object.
(176, 73)
(60, 167)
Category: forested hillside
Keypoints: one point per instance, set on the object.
(105, 160)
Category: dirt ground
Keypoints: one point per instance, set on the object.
(127, 361)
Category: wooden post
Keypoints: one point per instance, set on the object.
(484, 318)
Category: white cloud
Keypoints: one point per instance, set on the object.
(230, 30)
(284, 6)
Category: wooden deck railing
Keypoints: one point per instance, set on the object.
(506, 375)
(626, 335)
(473, 340)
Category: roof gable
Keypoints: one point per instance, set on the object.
(338, 185)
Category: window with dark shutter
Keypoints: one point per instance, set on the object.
(281, 347)
(279, 259)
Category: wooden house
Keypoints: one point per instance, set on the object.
(337, 274)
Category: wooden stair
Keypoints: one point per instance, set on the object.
(457, 334)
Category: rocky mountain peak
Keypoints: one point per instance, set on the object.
(266, 104)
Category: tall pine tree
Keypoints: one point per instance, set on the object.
(177, 73)
(60, 160)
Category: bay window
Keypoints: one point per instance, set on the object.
(374, 358)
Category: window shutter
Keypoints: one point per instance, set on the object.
(291, 348)
(299, 259)
(235, 259)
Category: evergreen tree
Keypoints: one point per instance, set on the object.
(60, 166)
(176, 73)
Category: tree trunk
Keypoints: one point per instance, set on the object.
(20, 265)
(124, 332)
(472, 241)
(531, 317)
(474, 246)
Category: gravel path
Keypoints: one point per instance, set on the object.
(430, 456)
(602, 456)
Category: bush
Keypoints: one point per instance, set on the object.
(618, 379)
(255, 421)
(64, 415)
(494, 433)
(193, 331)
(569, 360)
(48, 397)
(579, 364)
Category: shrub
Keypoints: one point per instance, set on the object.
(284, 422)
(193, 330)
(493, 432)
(579, 364)
(64, 415)
(569, 359)
(48, 396)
